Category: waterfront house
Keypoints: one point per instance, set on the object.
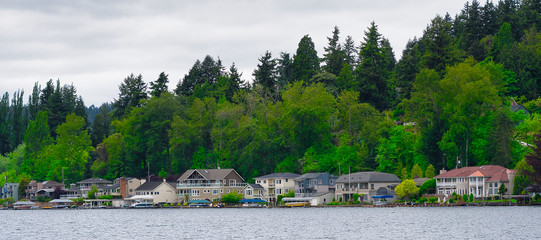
(122, 186)
(254, 191)
(162, 191)
(86, 185)
(200, 184)
(10, 190)
(33, 187)
(366, 184)
(314, 183)
(482, 181)
(276, 184)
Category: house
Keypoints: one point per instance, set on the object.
(483, 181)
(200, 184)
(10, 190)
(254, 191)
(122, 186)
(162, 191)
(33, 187)
(276, 184)
(86, 185)
(314, 183)
(366, 184)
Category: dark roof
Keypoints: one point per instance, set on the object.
(516, 108)
(52, 183)
(309, 176)
(279, 175)
(147, 186)
(111, 186)
(95, 181)
(367, 177)
(209, 174)
(420, 181)
(256, 186)
(494, 173)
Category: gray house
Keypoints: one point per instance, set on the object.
(367, 184)
(311, 184)
(10, 190)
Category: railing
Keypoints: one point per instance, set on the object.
(446, 184)
(194, 185)
(237, 185)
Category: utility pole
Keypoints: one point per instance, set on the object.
(63, 175)
(148, 171)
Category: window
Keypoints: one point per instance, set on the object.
(264, 181)
(287, 179)
(278, 181)
(495, 184)
(157, 193)
(232, 182)
(221, 191)
(279, 191)
(131, 190)
(248, 192)
(195, 192)
(319, 181)
(372, 186)
(490, 184)
(339, 186)
(228, 190)
(258, 181)
(214, 191)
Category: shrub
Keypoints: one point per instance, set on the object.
(92, 192)
(537, 197)
(166, 205)
(496, 197)
(333, 203)
(232, 197)
(451, 200)
(471, 197)
(433, 199)
(105, 197)
(465, 197)
(422, 200)
(340, 199)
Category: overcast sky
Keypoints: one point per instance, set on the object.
(96, 44)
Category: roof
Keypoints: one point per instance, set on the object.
(111, 186)
(368, 177)
(420, 181)
(494, 173)
(52, 183)
(147, 186)
(255, 186)
(209, 174)
(279, 175)
(309, 176)
(95, 181)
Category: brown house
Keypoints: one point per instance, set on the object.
(198, 184)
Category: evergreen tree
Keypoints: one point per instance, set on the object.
(350, 51)
(407, 68)
(37, 138)
(4, 127)
(473, 31)
(334, 57)
(207, 71)
(101, 125)
(305, 61)
(33, 102)
(17, 121)
(438, 43)
(160, 85)
(534, 160)
(346, 80)
(502, 137)
(132, 91)
(265, 73)
(372, 70)
(284, 70)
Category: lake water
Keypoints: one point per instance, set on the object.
(275, 223)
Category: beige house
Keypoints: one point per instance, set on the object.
(366, 184)
(254, 191)
(276, 184)
(199, 184)
(483, 181)
(123, 186)
(162, 191)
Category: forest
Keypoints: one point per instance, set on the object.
(465, 93)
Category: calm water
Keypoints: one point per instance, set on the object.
(296, 223)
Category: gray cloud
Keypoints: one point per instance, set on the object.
(96, 44)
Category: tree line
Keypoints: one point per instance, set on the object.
(448, 102)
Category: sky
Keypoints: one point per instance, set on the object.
(94, 45)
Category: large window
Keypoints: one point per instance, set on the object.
(248, 192)
(214, 191)
(277, 181)
(195, 192)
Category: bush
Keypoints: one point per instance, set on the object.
(496, 197)
(92, 192)
(452, 200)
(537, 197)
(333, 203)
(471, 197)
(422, 200)
(232, 197)
(433, 199)
(465, 197)
(166, 205)
(105, 197)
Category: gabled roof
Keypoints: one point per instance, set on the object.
(209, 174)
(494, 173)
(279, 175)
(52, 183)
(309, 176)
(149, 186)
(368, 177)
(111, 186)
(255, 186)
(95, 181)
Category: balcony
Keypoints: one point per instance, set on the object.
(445, 184)
(241, 185)
(198, 185)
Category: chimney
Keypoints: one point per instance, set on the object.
(72, 185)
(443, 171)
(123, 187)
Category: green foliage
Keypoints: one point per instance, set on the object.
(406, 189)
(430, 172)
(104, 196)
(416, 171)
(92, 192)
(465, 197)
(428, 184)
(232, 197)
(470, 199)
(502, 189)
(433, 199)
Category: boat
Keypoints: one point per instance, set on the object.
(296, 202)
(24, 205)
(142, 204)
(252, 202)
(199, 203)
